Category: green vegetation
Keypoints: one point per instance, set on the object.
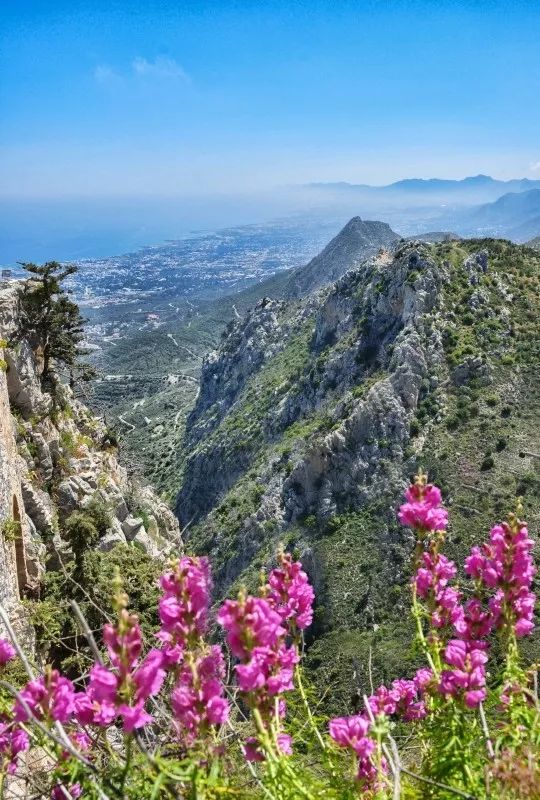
(10, 530)
(475, 427)
(56, 321)
(89, 581)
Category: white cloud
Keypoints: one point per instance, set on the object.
(160, 67)
(105, 74)
(535, 166)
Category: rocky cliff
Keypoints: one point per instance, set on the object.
(314, 412)
(358, 240)
(60, 472)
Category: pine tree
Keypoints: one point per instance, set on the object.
(55, 322)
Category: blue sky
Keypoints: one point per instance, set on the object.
(144, 98)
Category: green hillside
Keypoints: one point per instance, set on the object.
(427, 358)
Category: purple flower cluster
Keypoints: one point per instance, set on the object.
(353, 733)
(468, 678)
(259, 631)
(197, 699)
(184, 605)
(423, 509)
(123, 689)
(404, 700)
(13, 741)
(290, 593)
(49, 697)
(256, 637)
(505, 564)
(7, 652)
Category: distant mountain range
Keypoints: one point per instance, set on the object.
(419, 191)
(476, 206)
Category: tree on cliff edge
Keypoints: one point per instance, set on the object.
(55, 321)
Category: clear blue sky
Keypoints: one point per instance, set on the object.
(117, 97)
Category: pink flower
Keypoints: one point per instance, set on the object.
(257, 637)
(290, 593)
(423, 508)
(505, 564)
(468, 677)
(252, 750)
(134, 716)
(103, 684)
(7, 652)
(150, 675)
(456, 653)
(249, 624)
(423, 678)
(421, 515)
(349, 731)
(83, 708)
(198, 698)
(284, 742)
(353, 732)
(51, 696)
(61, 792)
(474, 697)
(13, 741)
(183, 608)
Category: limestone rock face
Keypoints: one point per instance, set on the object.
(249, 343)
(307, 410)
(54, 462)
(392, 296)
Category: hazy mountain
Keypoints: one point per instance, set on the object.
(523, 232)
(514, 215)
(426, 192)
(357, 241)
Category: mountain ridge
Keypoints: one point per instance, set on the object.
(313, 413)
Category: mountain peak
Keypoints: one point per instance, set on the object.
(357, 240)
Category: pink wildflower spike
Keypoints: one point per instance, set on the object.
(505, 564)
(184, 606)
(249, 624)
(257, 637)
(290, 593)
(50, 696)
(467, 679)
(13, 742)
(353, 733)
(423, 509)
(7, 652)
(122, 689)
(198, 698)
(252, 750)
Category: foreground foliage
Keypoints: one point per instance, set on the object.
(193, 719)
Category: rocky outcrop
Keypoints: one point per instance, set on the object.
(56, 459)
(358, 240)
(371, 323)
(248, 343)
